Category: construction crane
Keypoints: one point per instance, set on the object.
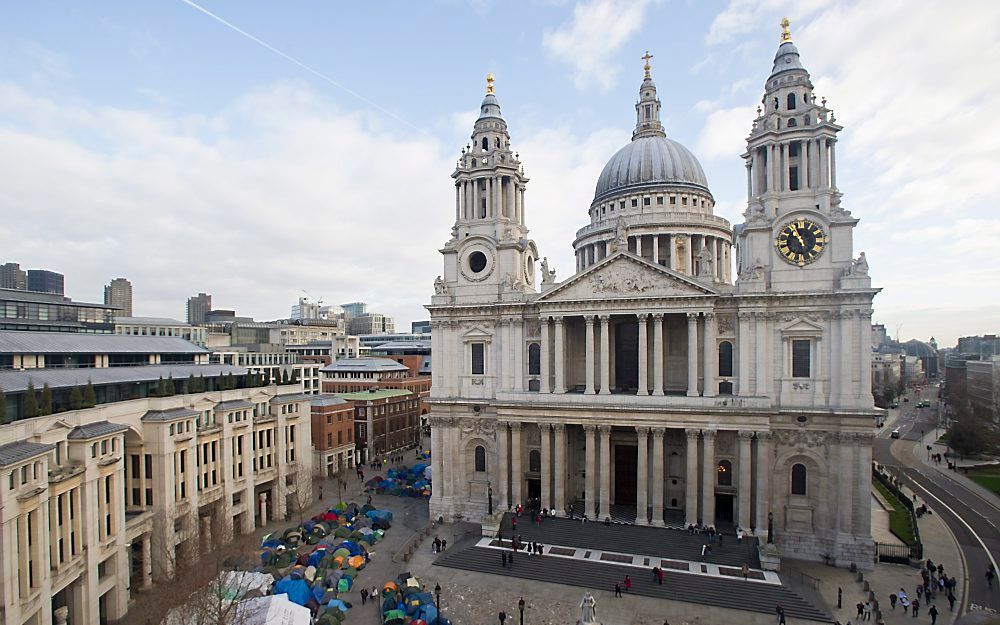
(318, 301)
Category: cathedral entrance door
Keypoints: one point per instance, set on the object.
(627, 356)
(723, 509)
(626, 461)
(534, 490)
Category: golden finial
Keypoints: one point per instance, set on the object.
(489, 84)
(786, 35)
(646, 58)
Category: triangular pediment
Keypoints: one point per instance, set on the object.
(624, 275)
(801, 325)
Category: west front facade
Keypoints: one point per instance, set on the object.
(657, 385)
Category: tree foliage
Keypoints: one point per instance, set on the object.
(75, 398)
(45, 405)
(89, 396)
(30, 401)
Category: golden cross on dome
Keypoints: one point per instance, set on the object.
(489, 84)
(646, 58)
(786, 35)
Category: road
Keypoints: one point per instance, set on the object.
(973, 519)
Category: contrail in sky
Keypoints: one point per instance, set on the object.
(292, 59)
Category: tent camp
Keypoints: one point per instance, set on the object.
(274, 610)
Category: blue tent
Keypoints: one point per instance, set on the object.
(297, 590)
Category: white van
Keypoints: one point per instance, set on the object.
(894, 434)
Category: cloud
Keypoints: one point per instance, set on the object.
(277, 192)
(596, 32)
(746, 16)
(724, 133)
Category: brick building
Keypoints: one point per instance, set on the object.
(332, 434)
(385, 420)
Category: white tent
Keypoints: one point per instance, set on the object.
(273, 610)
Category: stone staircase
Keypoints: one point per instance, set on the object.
(735, 594)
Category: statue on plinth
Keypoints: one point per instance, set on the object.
(588, 611)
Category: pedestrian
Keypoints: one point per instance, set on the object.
(655, 569)
(320, 494)
(607, 521)
(628, 583)
(436, 545)
(659, 576)
(618, 589)
(513, 523)
(502, 616)
(780, 612)
(916, 607)
(861, 610)
(444, 545)
(746, 571)
(503, 559)
(703, 548)
(374, 595)
(989, 577)
(892, 601)
(933, 612)
(868, 610)
(951, 601)
(364, 596)
(510, 557)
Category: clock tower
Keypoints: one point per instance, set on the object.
(797, 237)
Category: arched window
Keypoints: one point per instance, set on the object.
(480, 459)
(792, 123)
(725, 473)
(535, 461)
(776, 104)
(496, 142)
(791, 101)
(798, 479)
(534, 359)
(725, 359)
(486, 144)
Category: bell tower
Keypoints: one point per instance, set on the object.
(489, 256)
(796, 237)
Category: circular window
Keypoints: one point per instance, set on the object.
(477, 261)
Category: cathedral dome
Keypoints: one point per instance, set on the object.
(651, 160)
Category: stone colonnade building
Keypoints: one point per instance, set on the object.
(94, 502)
(650, 386)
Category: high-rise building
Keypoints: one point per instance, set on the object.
(13, 277)
(197, 307)
(119, 294)
(305, 309)
(355, 309)
(45, 281)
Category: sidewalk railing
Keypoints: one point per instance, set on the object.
(899, 554)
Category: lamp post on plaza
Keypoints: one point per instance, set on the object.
(437, 597)
(520, 607)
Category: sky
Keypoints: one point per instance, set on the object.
(150, 140)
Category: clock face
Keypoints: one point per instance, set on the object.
(800, 242)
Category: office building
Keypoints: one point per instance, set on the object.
(197, 307)
(44, 281)
(119, 294)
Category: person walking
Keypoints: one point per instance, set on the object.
(374, 595)
(780, 612)
(618, 589)
(628, 583)
(861, 610)
(933, 612)
(364, 596)
(868, 610)
(989, 577)
(659, 576)
(892, 601)
(916, 608)
(503, 559)
(502, 616)
(951, 601)
(746, 571)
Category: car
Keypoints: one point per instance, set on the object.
(895, 433)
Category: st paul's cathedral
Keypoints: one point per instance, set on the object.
(689, 371)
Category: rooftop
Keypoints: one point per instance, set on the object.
(47, 298)
(327, 400)
(12, 453)
(79, 343)
(12, 381)
(364, 364)
(93, 430)
(286, 399)
(169, 415)
(384, 393)
(150, 321)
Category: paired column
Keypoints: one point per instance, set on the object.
(605, 355)
(591, 453)
(691, 478)
(516, 473)
(833, 163)
(743, 354)
(560, 356)
(692, 385)
(503, 465)
(762, 348)
(763, 472)
(517, 334)
(711, 356)
(546, 433)
(589, 320)
(642, 477)
(643, 354)
(743, 498)
(544, 357)
(804, 168)
(560, 468)
(605, 431)
(658, 519)
(709, 477)
(657, 353)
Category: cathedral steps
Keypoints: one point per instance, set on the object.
(652, 541)
(735, 594)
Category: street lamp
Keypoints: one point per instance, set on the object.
(520, 607)
(437, 596)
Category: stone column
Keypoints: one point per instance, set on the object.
(638, 245)
(489, 197)
(769, 170)
(863, 443)
(833, 163)
(692, 385)
(546, 436)
(691, 478)
(743, 498)
(804, 164)
(658, 518)
(749, 180)
(516, 473)
(864, 357)
(709, 477)
(503, 465)
(517, 333)
(605, 431)
(764, 466)
(657, 353)
(786, 182)
(743, 353)
(561, 470)
(590, 346)
(655, 240)
(643, 319)
(642, 477)
(711, 357)
(763, 350)
(591, 452)
(605, 355)
(458, 201)
(544, 357)
(560, 356)
(845, 475)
